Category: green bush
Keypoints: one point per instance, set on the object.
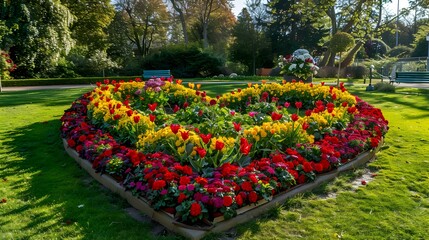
(327, 72)
(184, 61)
(400, 51)
(355, 72)
(384, 87)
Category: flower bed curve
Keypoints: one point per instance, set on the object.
(200, 157)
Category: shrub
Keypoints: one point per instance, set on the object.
(400, 51)
(375, 48)
(384, 87)
(184, 61)
(327, 72)
(355, 72)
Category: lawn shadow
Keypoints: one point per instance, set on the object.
(54, 192)
(414, 100)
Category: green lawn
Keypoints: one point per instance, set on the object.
(49, 197)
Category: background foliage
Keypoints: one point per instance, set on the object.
(66, 38)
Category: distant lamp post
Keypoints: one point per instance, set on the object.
(427, 61)
(370, 87)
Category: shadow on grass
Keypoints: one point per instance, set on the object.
(404, 99)
(44, 97)
(55, 195)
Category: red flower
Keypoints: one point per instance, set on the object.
(71, 143)
(202, 152)
(212, 102)
(129, 113)
(351, 109)
(245, 146)
(175, 128)
(152, 106)
(239, 200)
(185, 134)
(219, 145)
(246, 186)
(307, 167)
(276, 116)
(206, 138)
(298, 105)
(158, 184)
(116, 117)
(82, 138)
(374, 142)
(227, 201)
(308, 112)
(237, 126)
(200, 113)
(294, 117)
(176, 108)
(181, 198)
(287, 104)
(195, 209)
(253, 196)
(202, 181)
(184, 180)
(185, 105)
(152, 117)
(136, 119)
(305, 126)
(318, 167)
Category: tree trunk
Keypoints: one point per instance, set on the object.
(182, 21)
(352, 53)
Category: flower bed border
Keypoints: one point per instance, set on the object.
(219, 225)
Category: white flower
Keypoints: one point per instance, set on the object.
(301, 65)
(307, 56)
(292, 67)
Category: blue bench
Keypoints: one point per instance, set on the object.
(411, 77)
(155, 73)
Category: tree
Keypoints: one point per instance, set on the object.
(218, 31)
(92, 19)
(99, 61)
(183, 8)
(341, 42)
(363, 20)
(250, 46)
(295, 24)
(204, 10)
(146, 23)
(42, 36)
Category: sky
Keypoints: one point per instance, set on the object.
(391, 7)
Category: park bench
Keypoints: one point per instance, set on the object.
(411, 77)
(155, 73)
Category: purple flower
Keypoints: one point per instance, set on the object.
(182, 188)
(164, 191)
(190, 187)
(205, 199)
(217, 202)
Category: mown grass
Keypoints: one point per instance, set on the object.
(49, 197)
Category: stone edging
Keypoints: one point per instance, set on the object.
(247, 213)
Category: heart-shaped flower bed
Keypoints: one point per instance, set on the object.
(199, 157)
